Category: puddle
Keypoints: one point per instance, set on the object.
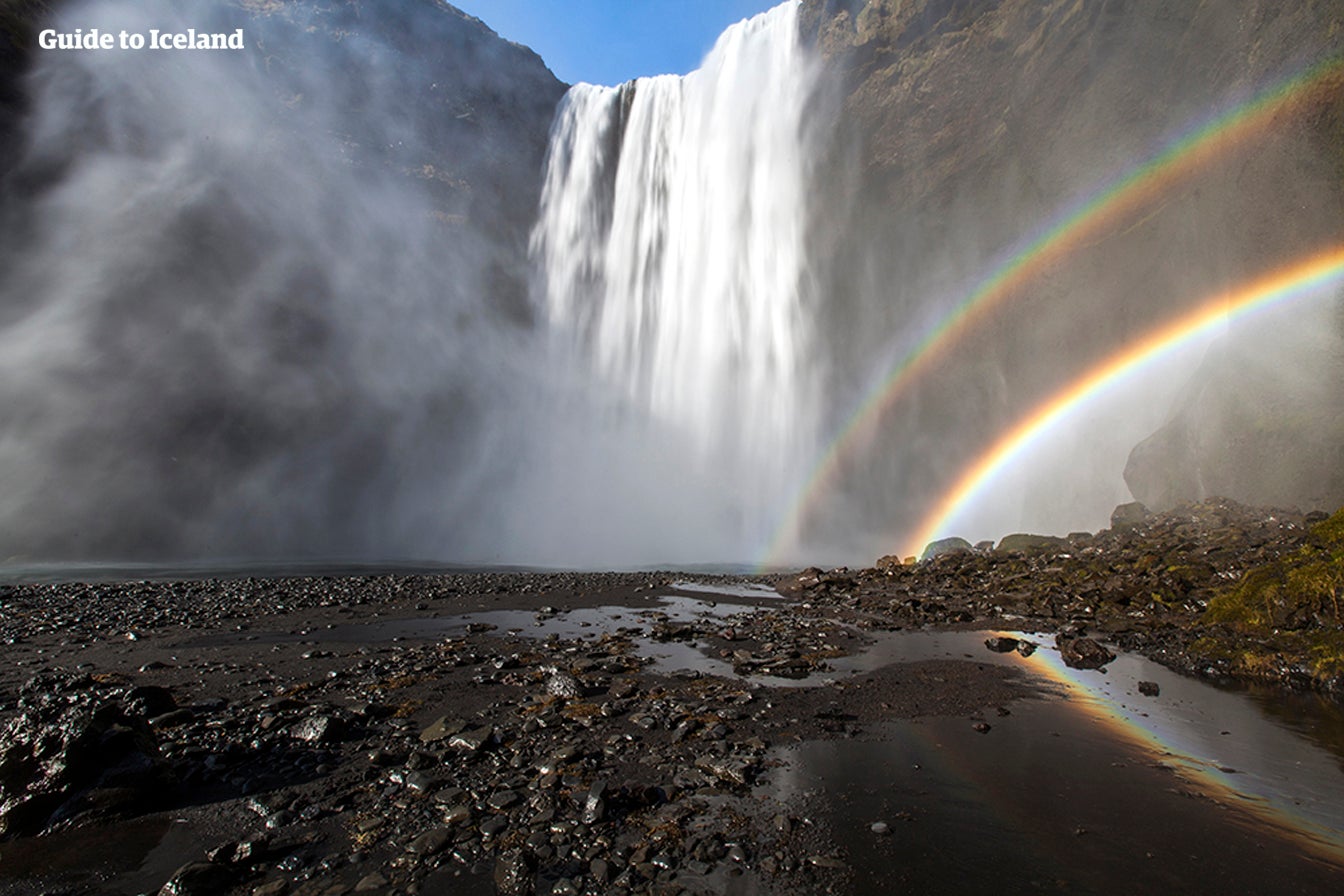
(1225, 739)
(667, 657)
(750, 590)
(1194, 790)
(1047, 801)
(1282, 767)
(1222, 738)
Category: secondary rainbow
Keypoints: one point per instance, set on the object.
(1182, 157)
(1300, 279)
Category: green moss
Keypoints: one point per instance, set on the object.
(1326, 654)
(1329, 533)
(1285, 616)
(1302, 590)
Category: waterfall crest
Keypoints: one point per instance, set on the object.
(670, 246)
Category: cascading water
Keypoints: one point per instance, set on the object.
(672, 265)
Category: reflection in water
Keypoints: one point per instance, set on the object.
(1314, 716)
(1221, 739)
(1074, 794)
(1097, 756)
(752, 590)
(1047, 801)
(669, 656)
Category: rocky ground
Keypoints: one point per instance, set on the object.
(1172, 586)
(361, 735)
(313, 760)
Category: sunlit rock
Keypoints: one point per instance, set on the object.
(1021, 541)
(951, 545)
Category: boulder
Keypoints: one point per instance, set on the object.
(953, 545)
(1259, 422)
(73, 748)
(1082, 653)
(200, 879)
(1021, 541)
(1127, 516)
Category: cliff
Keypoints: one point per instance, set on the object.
(970, 129)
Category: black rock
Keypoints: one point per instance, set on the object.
(150, 701)
(318, 729)
(173, 719)
(562, 684)
(503, 799)
(953, 545)
(1128, 515)
(514, 875)
(1022, 542)
(495, 825)
(595, 804)
(1082, 653)
(472, 740)
(672, 631)
(430, 843)
(199, 879)
(70, 751)
(1149, 688)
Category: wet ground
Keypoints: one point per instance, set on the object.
(1192, 789)
(653, 734)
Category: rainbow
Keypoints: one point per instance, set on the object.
(1300, 279)
(1281, 810)
(1181, 158)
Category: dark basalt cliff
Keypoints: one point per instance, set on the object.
(18, 23)
(969, 127)
(479, 109)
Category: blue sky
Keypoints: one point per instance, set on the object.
(610, 41)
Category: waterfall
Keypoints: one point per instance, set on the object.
(670, 246)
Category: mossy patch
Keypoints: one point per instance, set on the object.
(1284, 619)
(1300, 591)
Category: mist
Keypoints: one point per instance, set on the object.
(252, 311)
(230, 326)
(377, 289)
(964, 156)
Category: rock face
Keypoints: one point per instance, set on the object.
(478, 107)
(15, 36)
(971, 129)
(283, 270)
(1252, 431)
